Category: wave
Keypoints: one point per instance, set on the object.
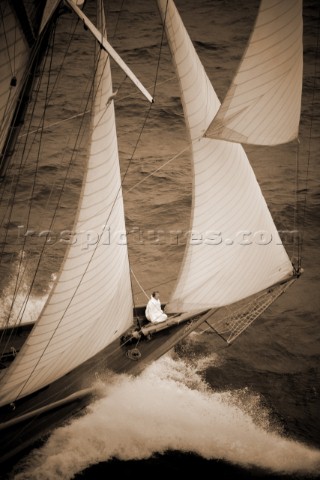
(169, 408)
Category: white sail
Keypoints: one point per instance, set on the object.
(263, 103)
(91, 303)
(235, 250)
(14, 57)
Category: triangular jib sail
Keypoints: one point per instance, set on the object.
(234, 249)
(263, 103)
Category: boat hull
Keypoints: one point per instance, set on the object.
(33, 417)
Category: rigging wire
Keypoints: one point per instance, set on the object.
(296, 248)
(76, 115)
(66, 175)
(313, 103)
(52, 221)
(23, 155)
(19, 276)
(6, 39)
(135, 277)
(12, 68)
(30, 204)
(22, 165)
(117, 22)
(177, 155)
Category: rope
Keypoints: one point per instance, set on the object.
(116, 100)
(28, 216)
(6, 39)
(139, 283)
(50, 125)
(159, 168)
(133, 354)
(118, 18)
(21, 167)
(296, 207)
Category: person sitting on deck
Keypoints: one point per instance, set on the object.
(153, 311)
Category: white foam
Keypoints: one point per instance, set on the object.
(17, 304)
(26, 306)
(168, 407)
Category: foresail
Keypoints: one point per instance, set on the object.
(234, 248)
(263, 103)
(91, 303)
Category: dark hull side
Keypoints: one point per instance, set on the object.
(119, 357)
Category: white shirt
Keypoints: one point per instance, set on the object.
(153, 311)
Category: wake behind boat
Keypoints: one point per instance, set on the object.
(89, 325)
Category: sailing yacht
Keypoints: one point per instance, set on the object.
(234, 264)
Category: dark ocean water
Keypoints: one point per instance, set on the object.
(250, 410)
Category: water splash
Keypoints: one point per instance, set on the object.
(168, 407)
(17, 304)
(29, 305)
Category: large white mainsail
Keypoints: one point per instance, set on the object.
(263, 103)
(91, 302)
(234, 249)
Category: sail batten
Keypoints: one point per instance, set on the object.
(234, 249)
(268, 81)
(91, 302)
